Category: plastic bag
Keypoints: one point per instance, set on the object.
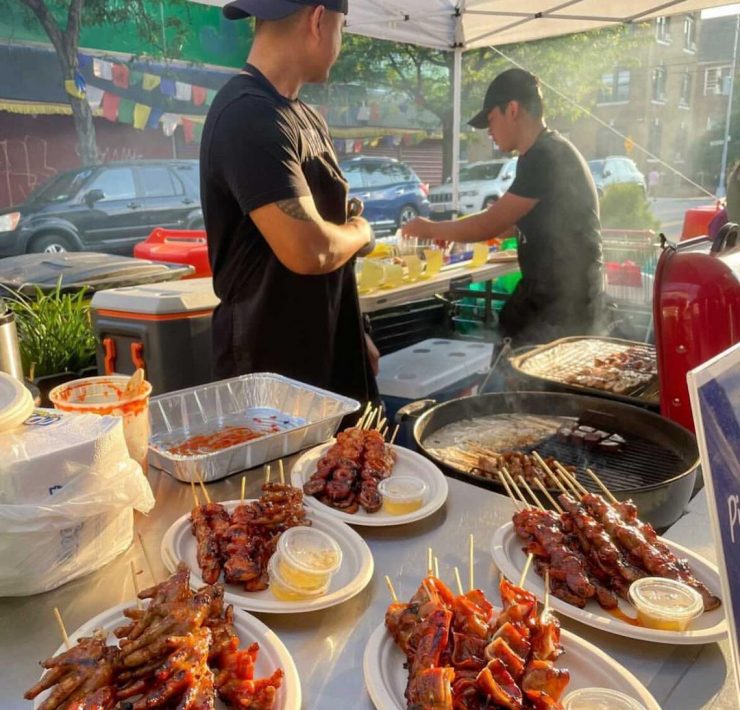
(76, 527)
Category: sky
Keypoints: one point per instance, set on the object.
(721, 11)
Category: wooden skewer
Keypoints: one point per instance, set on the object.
(516, 501)
(244, 486)
(361, 420)
(563, 475)
(525, 571)
(548, 471)
(384, 433)
(381, 423)
(389, 584)
(430, 562)
(547, 495)
(282, 472)
(136, 584)
(267, 474)
(395, 434)
(532, 494)
(146, 558)
(458, 581)
(471, 565)
(601, 484)
(436, 567)
(571, 477)
(58, 617)
(196, 501)
(516, 488)
(546, 606)
(203, 488)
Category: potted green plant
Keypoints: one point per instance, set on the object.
(55, 336)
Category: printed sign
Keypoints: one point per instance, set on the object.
(715, 402)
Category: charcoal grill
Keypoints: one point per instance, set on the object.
(657, 468)
(549, 365)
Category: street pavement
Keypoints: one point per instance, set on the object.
(670, 211)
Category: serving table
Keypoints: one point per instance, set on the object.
(328, 645)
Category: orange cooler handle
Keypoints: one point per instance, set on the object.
(137, 355)
(109, 357)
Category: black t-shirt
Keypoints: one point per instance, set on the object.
(560, 242)
(259, 147)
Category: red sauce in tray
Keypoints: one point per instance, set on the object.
(223, 439)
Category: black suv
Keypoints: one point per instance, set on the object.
(107, 208)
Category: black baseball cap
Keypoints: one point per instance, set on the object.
(276, 9)
(511, 85)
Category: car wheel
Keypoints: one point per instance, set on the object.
(489, 201)
(197, 224)
(407, 213)
(51, 244)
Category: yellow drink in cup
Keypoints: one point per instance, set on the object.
(434, 261)
(413, 267)
(480, 254)
(393, 275)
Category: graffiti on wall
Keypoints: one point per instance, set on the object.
(24, 165)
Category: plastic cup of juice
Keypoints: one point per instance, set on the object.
(308, 558)
(434, 261)
(393, 275)
(402, 494)
(665, 604)
(413, 266)
(480, 254)
(106, 396)
(600, 699)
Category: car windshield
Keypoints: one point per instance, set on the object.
(61, 188)
(487, 171)
(596, 166)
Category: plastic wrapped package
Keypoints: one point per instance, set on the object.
(68, 491)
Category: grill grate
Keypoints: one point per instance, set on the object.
(565, 358)
(641, 463)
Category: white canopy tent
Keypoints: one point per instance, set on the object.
(460, 25)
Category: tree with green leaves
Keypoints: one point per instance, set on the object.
(572, 64)
(62, 21)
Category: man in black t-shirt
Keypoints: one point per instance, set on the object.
(275, 204)
(554, 204)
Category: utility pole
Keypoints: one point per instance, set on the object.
(722, 187)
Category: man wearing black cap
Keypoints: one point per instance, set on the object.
(554, 204)
(275, 204)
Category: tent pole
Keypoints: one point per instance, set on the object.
(456, 118)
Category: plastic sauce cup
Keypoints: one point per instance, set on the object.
(402, 494)
(283, 589)
(105, 396)
(665, 604)
(600, 699)
(307, 558)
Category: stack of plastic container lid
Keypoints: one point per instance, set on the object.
(16, 402)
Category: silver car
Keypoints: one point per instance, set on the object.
(615, 170)
(481, 184)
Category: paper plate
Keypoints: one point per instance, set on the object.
(16, 402)
(408, 463)
(386, 677)
(178, 544)
(272, 653)
(709, 627)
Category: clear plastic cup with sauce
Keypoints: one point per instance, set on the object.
(402, 494)
(665, 604)
(600, 699)
(306, 559)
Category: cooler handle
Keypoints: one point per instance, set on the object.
(109, 355)
(137, 355)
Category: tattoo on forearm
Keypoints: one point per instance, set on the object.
(293, 208)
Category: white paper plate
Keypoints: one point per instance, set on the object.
(710, 626)
(386, 678)
(16, 402)
(408, 463)
(178, 544)
(272, 653)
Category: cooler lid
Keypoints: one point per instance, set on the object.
(430, 366)
(160, 298)
(16, 402)
(78, 269)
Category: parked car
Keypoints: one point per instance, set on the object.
(390, 189)
(481, 184)
(615, 170)
(107, 208)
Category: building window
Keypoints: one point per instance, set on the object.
(660, 77)
(685, 99)
(615, 86)
(717, 81)
(663, 29)
(655, 136)
(689, 33)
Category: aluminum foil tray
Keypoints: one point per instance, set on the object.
(554, 362)
(295, 415)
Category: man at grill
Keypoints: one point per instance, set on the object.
(554, 204)
(280, 240)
